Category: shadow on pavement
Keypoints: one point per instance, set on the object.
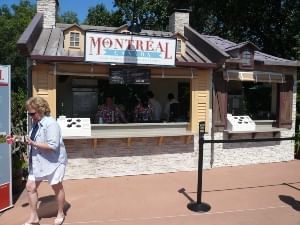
(290, 201)
(47, 207)
(183, 191)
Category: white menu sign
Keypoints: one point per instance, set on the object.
(75, 127)
(129, 49)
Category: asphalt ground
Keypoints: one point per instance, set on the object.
(262, 194)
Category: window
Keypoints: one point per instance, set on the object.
(261, 100)
(178, 47)
(257, 100)
(246, 58)
(74, 39)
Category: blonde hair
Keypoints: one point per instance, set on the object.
(39, 104)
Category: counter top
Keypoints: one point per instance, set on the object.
(132, 131)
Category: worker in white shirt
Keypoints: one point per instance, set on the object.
(155, 105)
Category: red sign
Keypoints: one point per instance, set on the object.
(3, 77)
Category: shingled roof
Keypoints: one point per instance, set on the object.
(48, 45)
(218, 49)
(225, 46)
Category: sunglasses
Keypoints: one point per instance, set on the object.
(31, 114)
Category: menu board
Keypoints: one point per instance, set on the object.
(75, 127)
(129, 76)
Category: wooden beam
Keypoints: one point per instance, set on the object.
(160, 140)
(94, 143)
(188, 139)
(129, 141)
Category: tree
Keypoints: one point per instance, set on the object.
(98, 16)
(152, 14)
(69, 17)
(12, 25)
(297, 48)
(116, 18)
(270, 24)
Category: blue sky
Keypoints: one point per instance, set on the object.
(78, 6)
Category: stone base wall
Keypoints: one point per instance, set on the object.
(244, 153)
(113, 157)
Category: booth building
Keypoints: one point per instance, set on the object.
(238, 91)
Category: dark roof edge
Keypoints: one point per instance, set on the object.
(197, 65)
(223, 53)
(288, 63)
(241, 45)
(81, 59)
(269, 62)
(57, 58)
(211, 51)
(31, 34)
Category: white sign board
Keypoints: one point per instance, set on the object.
(240, 123)
(129, 49)
(75, 127)
(5, 149)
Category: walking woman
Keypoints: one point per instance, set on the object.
(47, 158)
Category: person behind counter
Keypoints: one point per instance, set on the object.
(143, 112)
(109, 113)
(47, 157)
(156, 106)
(171, 102)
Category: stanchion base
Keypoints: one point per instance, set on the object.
(198, 207)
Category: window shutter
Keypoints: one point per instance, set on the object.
(219, 102)
(285, 105)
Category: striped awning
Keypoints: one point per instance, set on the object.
(254, 76)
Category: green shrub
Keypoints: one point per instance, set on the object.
(18, 127)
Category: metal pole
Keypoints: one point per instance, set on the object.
(200, 206)
(200, 161)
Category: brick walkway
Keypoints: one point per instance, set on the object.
(264, 194)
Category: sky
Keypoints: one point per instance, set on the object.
(78, 6)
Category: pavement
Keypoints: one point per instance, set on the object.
(262, 194)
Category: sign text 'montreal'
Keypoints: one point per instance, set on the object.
(129, 49)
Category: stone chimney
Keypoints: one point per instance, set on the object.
(49, 9)
(178, 19)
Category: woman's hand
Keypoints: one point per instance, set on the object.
(30, 142)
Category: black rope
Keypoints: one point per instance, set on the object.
(251, 140)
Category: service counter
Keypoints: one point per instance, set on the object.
(133, 131)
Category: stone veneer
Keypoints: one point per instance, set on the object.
(113, 157)
(48, 9)
(178, 20)
(234, 154)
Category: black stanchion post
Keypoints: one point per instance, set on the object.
(200, 206)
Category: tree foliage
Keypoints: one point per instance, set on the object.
(69, 17)
(12, 24)
(270, 24)
(152, 14)
(100, 16)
